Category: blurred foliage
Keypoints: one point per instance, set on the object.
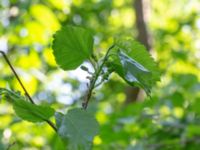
(169, 120)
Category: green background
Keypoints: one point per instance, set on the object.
(170, 120)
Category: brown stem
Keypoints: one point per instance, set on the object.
(23, 87)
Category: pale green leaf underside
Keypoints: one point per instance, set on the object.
(134, 73)
(131, 61)
(71, 46)
(78, 128)
(138, 52)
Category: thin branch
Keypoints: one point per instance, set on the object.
(94, 58)
(23, 87)
(98, 84)
(94, 79)
(11, 145)
(16, 75)
(93, 64)
(52, 125)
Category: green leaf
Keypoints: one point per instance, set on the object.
(78, 128)
(131, 61)
(71, 46)
(59, 117)
(134, 73)
(30, 112)
(9, 95)
(26, 110)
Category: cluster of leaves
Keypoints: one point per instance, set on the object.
(68, 125)
(128, 58)
(71, 47)
(175, 41)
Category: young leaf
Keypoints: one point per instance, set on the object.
(131, 61)
(78, 128)
(9, 95)
(134, 73)
(71, 46)
(25, 110)
(30, 112)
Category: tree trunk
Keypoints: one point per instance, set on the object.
(132, 93)
(143, 35)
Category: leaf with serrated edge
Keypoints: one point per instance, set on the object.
(135, 52)
(134, 73)
(71, 46)
(78, 128)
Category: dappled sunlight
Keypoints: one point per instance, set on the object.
(45, 16)
(178, 112)
(166, 117)
(49, 58)
(29, 81)
(101, 117)
(97, 140)
(123, 17)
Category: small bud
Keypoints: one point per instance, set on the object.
(84, 68)
(88, 77)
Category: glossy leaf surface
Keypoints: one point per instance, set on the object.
(131, 61)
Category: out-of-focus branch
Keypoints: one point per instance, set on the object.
(143, 35)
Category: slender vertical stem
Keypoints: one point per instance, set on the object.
(16, 75)
(23, 87)
(94, 79)
(93, 64)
